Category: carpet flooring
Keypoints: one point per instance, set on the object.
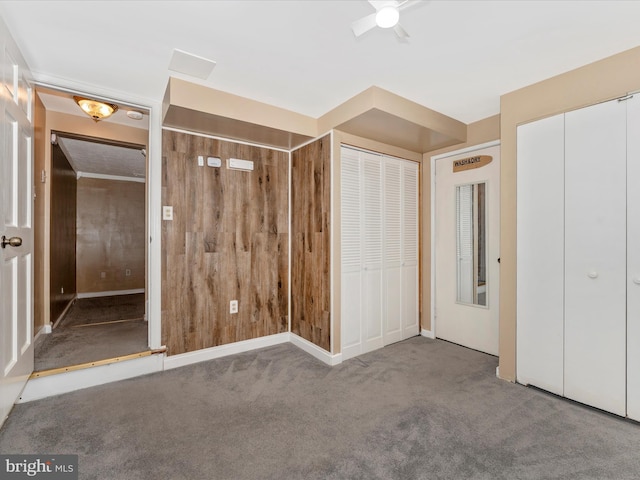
(418, 409)
(94, 329)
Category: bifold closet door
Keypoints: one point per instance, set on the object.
(540, 253)
(410, 255)
(372, 286)
(633, 257)
(595, 256)
(351, 254)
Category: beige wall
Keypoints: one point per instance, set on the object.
(110, 235)
(480, 132)
(609, 78)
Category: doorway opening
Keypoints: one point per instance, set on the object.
(91, 221)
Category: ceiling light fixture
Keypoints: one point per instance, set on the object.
(96, 109)
(387, 17)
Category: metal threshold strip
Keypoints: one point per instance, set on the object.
(97, 363)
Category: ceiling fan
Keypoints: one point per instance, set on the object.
(386, 15)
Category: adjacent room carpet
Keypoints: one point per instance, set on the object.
(419, 409)
(94, 329)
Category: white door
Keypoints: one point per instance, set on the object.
(466, 219)
(540, 254)
(16, 254)
(633, 258)
(595, 256)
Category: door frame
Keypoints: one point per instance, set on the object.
(154, 187)
(432, 186)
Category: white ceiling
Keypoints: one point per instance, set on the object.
(302, 55)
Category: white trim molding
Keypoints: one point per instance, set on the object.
(110, 293)
(427, 333)
(104, 176)
(182, 359)
(315, 351)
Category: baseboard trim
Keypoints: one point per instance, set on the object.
(111, 293)
(315, 351)
(64, 312)
(48, 386)
(45, 329)
(427, 333)
(182, 359)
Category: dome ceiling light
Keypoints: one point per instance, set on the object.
(95, 109)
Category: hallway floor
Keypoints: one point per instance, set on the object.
(94, 329)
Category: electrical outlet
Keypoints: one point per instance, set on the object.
(233, 306)
(61, 289)
(167, 212)
(103, 274)
(127, 272)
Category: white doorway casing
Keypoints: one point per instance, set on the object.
(473, 326)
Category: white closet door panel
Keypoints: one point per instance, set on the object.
(351, 315)
(372, 309)
(351, 254)
(392, 212)
(633, 257)
(410, 324)
(410, 255)
(410, 214)
(540, 254)
(372, 210)
(351, 248)
(392, 318)
(394, 307)
(595, 256)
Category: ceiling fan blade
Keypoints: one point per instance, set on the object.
(378, 4)
(401, 32)
(363, 25)
(410, 3)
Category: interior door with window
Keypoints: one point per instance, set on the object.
(466, 239)
(16, 252)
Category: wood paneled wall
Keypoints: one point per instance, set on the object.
(63, 233)
(310, 249)
(228, 240)
(110, 235)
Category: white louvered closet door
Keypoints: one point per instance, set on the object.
(410, 256)
(393, 251)
(351, 253)
(379, 259)
(372, 251)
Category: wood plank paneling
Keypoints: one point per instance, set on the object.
(63, 233)
(228, 240)
(311, 255)
(110, 235)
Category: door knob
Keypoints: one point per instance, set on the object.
(12, 242)
(592, 274)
